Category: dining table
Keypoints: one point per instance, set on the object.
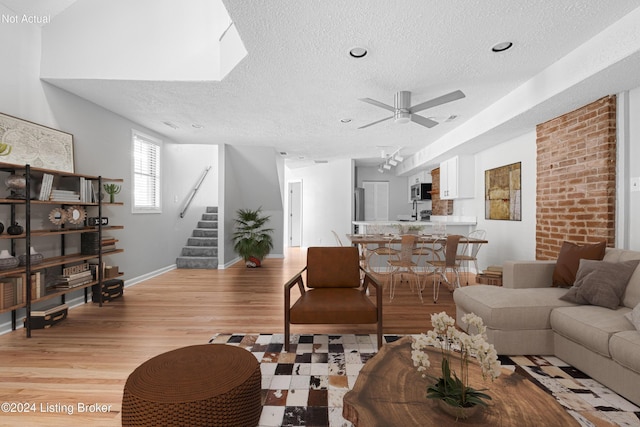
(386, 246)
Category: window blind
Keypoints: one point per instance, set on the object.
(146, 173)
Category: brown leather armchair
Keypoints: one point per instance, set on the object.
(333, 294)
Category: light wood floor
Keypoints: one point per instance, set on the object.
(87, 358)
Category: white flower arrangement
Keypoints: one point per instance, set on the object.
(453, 387)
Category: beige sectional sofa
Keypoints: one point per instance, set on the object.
(527, 316)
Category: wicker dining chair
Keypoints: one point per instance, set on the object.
(405, 266)
(469, 251)
(449, 263)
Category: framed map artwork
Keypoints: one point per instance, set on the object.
(503, 193)
(23, 142)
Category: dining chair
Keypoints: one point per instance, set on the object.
(404, 265)
(449, 262)
(469, 251)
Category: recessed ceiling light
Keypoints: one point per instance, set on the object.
(171, 125)
(358, 52)
(319, 162)
(197, 126)
(501, 47)
(345, 120)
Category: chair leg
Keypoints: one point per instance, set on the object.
(287, 337)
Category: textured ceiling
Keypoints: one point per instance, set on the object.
(298, 81)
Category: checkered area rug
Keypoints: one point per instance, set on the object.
(305, 387)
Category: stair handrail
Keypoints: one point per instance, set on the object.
(194, 191)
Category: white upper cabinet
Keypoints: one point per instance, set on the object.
(457, 179)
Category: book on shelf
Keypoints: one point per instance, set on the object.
(492, 273)
(73, 283)
(495, 268)
(87, 191)
(7, 294)
(48, 310)
(45, 186)
(37, 290)
(73, 276)
(14, 291)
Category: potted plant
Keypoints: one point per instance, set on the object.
(451, 389)
(252, 241)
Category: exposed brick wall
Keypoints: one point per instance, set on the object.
(439, 207)
(576, 178)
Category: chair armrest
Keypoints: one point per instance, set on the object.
(528, 274)
(369, 279)
(295, 280)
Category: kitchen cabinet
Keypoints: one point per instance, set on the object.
(457, 180)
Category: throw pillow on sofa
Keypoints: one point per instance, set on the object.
(601, 283)
(564, 274)
(634, 317)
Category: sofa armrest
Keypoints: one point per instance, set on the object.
(528, 274)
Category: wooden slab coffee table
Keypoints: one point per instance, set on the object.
(390, 392)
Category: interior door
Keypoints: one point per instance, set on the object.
(295, 213)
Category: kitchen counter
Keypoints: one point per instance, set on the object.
(457, 224)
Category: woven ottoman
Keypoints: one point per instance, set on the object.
(200, 385)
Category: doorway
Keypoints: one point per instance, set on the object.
(295, 213)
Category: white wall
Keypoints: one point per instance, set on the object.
(327, 193)
(140, 40)
(508, 240)
(253, 179)
(633, 237)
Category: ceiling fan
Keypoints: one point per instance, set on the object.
(403, 112)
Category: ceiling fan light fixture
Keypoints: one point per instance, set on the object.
(386, 166)
(392, 162)
(402, 117)
(398, 158)
(380, 170)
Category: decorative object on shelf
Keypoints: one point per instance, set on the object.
(1, 227)
(15, 229)
(94, 221)
(76, 215)
(3, 148)
(58, 216)
(452, 388)
(7, 260)
(36, 145)
(112, 190)
(251, 240)
(16, 184)
(36, 258)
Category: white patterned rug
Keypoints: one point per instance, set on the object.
(305, 387)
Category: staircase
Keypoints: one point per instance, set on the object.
(202, 247)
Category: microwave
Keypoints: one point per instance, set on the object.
(421, 192)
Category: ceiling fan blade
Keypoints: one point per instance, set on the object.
(423, 121)
(376, 122)
(453, 96)
(378, 104)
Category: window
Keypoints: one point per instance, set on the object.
(146, 173)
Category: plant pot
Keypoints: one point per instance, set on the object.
(253, 262)
(458, 412)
